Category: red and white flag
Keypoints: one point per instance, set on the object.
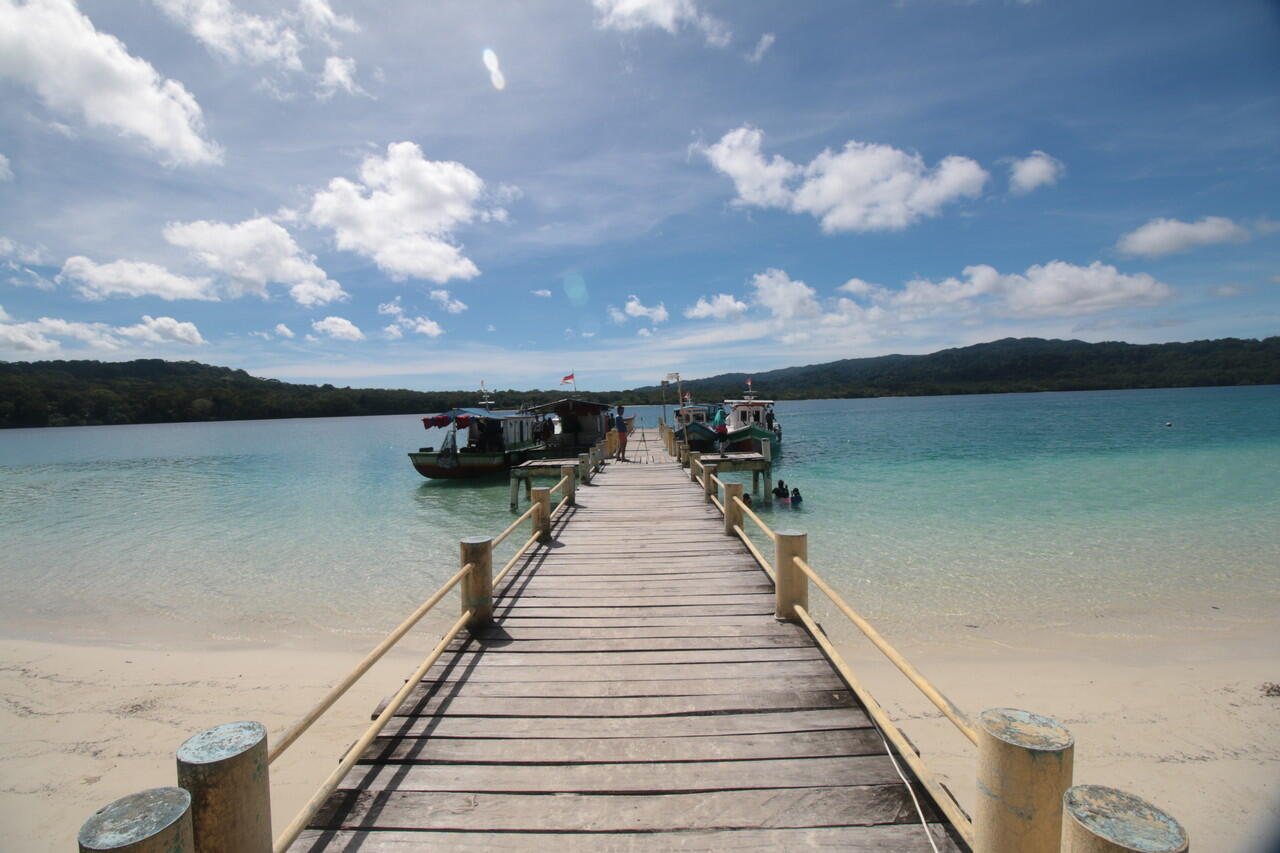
(748, 381)
(567, 380)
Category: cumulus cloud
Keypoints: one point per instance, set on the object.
(862, 187)
(320, 20)
(339, 73)
(284, 331)
(403, 212)
(668, 15)
(1169, 236)
(50, 47)
(235, 35)
(785, 298)
(338, 327)
(1036, 170)
(762, 47)
(133, 278)
(453, 306)
(393, 307)
(253, 253)
(545, 294)
(722, 306)
(644, 332)
(23, 253)
(616, 316)
(634, 308)
(40, 337)
(6, 171)
(1055, 289)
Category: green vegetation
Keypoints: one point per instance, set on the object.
(70, 393)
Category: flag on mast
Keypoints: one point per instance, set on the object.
(567, 380)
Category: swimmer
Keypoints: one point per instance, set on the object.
(795, 497)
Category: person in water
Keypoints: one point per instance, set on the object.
(795, 497)
(780, 490)
(620, 424)
(746, 498)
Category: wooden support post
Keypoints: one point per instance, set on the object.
(477, 585)
(695, 462)
(515, 490)
(755, 481)
(732, 512)
(1024, 768)
(584, 467)
(154, 821)
(225, 771)
(570, 473)
(542, 518)
(766, 450)
(708, 484)
(684, 454)
(612, 443)
(791, 586)
(1098, 819)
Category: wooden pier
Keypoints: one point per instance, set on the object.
(634, 692)
(638, 676)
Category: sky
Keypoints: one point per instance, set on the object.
(429, 195)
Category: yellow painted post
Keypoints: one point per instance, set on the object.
(1098, 819)
(1024, 768)
(732, 512)
(542, 518)
(477, 585)
(708, 484)
(570, 473)
(695, 462)
(584, 467)
(154, 821)
(684, 454)
(225, 771)
(612, 443)
(791, 585)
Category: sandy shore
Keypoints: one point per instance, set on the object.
(1172, 711)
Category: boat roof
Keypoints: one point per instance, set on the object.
(482, 413)
(570, 403)
(748, 402)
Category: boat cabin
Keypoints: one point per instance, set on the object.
(695, 413)
(483, 431)
(580, 424)
(746, 413)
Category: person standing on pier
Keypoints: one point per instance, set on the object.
(620, 425)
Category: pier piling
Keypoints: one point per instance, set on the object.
(225, 770)
(1024, 768)
(1098, 819)
(477, 584)
(153, 821)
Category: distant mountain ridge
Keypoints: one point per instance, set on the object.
(76, 393)
(1015, 365)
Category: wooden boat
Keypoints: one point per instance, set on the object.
(693, 425)
(480, 442)
(751, 423)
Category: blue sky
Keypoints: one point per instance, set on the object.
(427, 195)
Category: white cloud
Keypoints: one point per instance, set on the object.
(634, 308)
(722, 306)
(393, 332)
(404, 212)
(1169, 236)
(617, 316)
(453, 306)
(644, 332)
(339, 73)
(863, 187)
(27, 277)
(338, 327)
(22, 253)
(545, 294)
(784, 298)
(422, 326)
(4, 315)
(284, 331)
(235, 35)
(319, 18)
(49, 46)
(669, 15)
(858, 287)
(133, 278)
(393, 307)
(1036, 170)
(160, 330)
(6, 171)
(762, 47)
(1227, 290)
(39, 337)
(1055, 289)
(253, 253)
(491, 328)
(496, 77)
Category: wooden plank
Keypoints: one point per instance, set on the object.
(549, 629)
(639, 688)
(624, 706)
(726, 600)
(637, 614)
(900, 838)
(774, 808)
(630, 672)
(656, 777)
(518, 655)
(591, 750)
(554, 618)
(630, 727)
(524, 645)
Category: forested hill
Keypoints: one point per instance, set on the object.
(1015, 364)
(64, 393)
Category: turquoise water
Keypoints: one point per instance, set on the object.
(1014, 508)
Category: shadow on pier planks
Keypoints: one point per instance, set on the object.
(635, 694)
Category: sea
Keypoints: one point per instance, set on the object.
(928, 513)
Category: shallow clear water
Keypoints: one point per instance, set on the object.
(1015, 508)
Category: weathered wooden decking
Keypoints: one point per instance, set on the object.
(634, 693)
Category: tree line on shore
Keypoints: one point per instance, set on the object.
(79, 393)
